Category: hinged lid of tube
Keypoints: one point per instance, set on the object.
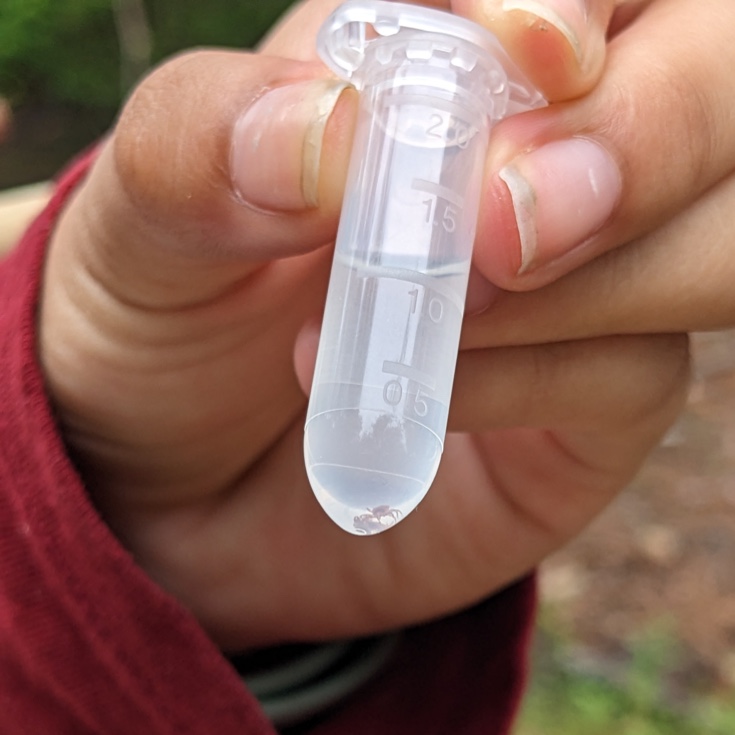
(347, 34)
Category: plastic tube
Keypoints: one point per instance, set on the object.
(432, 85)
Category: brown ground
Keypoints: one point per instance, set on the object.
(664, 552)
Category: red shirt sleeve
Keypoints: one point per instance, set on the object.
(89, 644)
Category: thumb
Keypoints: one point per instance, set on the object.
(216, 166)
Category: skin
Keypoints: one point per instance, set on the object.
(173, 314)
(666, 123)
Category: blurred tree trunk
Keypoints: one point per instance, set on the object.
(135, 40)
(4, 119)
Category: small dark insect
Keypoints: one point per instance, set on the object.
(376, 519)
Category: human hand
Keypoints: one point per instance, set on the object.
(575, 180)
(176, 289)
(605, 168)
(661, 261)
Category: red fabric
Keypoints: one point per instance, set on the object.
(89, 644)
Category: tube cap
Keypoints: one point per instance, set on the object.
(354, 25)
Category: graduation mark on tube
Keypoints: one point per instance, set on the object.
(431, 86)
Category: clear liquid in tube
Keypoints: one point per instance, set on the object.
(431, 85)
(379, 406)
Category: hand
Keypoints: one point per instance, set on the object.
(176, 289)
(575, 180)
(661, 260)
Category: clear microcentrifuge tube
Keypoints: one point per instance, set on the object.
(431, 86)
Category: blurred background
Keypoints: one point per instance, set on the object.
(637, 629)
(65, 66)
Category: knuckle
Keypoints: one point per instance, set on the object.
(666, 126)
(697, 134)
(151, 139)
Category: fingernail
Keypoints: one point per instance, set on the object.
(562, 193)
(277, 145)
(569, 17)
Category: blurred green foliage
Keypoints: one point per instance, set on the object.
(68, 51)
(638, 698)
